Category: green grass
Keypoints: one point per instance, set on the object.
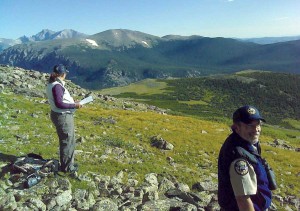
(194, 102)
(293, 123)
(147, 87)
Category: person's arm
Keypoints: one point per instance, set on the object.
(243, 182)
(244, 203)
(58, 93)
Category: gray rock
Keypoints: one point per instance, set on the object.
(132, 182)
(117, 179)
(160, 143)
(169, 146)
(186, 197)
(206, 186)
(204, 198)
(64, 183)
(183, 187)
(37, 204)
(213, 206)
(83, 199)
(166, 205)
(151, 179)
(64, 198)
(165, 185)
(162, 205)
(150, 196)
(8, 202)
(105, 205)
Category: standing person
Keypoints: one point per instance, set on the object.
(243, 182)
(62, 111)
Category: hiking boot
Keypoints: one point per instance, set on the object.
(74, 168)
(71, 169)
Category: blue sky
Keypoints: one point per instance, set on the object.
(211, 18)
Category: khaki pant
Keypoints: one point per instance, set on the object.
(64, 123)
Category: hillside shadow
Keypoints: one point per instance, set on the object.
(6, 159)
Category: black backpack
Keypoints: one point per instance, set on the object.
(34, 167)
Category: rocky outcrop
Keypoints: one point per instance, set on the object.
(160, 143)
(32, 83)
(105, 193)
(282, 144)
(117, 192)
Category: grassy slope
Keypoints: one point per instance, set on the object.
(284, 162)
(195, 152)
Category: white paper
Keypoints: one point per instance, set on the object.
(86, 100)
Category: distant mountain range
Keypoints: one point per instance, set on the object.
(44, 35)
(47, 34)
(271, 40)
(118, 57)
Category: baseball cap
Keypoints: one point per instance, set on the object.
(60, 69)
(246, 114)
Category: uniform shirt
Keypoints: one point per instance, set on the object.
(237, 177)
(243, 178)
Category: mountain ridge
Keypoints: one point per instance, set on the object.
(43, 35)
(118, 57)
(271, 40)
(47, 34)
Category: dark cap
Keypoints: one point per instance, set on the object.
(60, 69)
(247, 114)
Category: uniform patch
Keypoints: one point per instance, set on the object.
(251, 111)
(241, 167)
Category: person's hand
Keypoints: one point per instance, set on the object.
(78, 105)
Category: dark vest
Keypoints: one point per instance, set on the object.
(262, 199)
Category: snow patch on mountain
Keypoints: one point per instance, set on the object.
(145, 43)
(92, 42)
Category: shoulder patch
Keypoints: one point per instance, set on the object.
(241, 167)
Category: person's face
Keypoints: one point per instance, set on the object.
(250, 132)
(63, 76)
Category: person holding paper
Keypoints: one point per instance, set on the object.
(63, 107)
(86, 100)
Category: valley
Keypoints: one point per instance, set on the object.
(215, 97)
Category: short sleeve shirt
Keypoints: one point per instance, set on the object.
(243, 178)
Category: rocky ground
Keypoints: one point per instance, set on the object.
(108, 193)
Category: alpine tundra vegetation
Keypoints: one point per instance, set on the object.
(135, 155)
